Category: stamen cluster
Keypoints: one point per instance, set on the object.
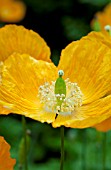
(70, 102)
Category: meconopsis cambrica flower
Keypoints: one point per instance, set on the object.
(77, 97)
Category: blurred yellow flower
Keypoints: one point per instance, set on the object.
(12, 10)
(101, 19)
(6, 162)
(27, 84)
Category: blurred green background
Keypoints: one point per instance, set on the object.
(59, 23)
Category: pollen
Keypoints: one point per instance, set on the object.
(69, 102)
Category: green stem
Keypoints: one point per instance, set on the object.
(62, 148)
(104, 151)
(84, 148)
(25, 142)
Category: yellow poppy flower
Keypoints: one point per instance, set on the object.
(102, 18)
(12, 10)
(27, 86)
(6, 163)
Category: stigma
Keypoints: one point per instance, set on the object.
(60, 97)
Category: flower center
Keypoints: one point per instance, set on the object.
(60, 102)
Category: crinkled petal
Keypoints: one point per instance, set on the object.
(15, 38)
(21, 77)
(100, 37)
(86, 115)
(6, 162)
(12, 11)
(88, 63)
(2, 109)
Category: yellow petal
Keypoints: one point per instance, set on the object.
(6, 163)
(2, 109)
(1, 65)
(19, 39)
(88, 62)
(104, 126)
(86, 115)
(100, 37)
(12, 11)
(21, 77)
